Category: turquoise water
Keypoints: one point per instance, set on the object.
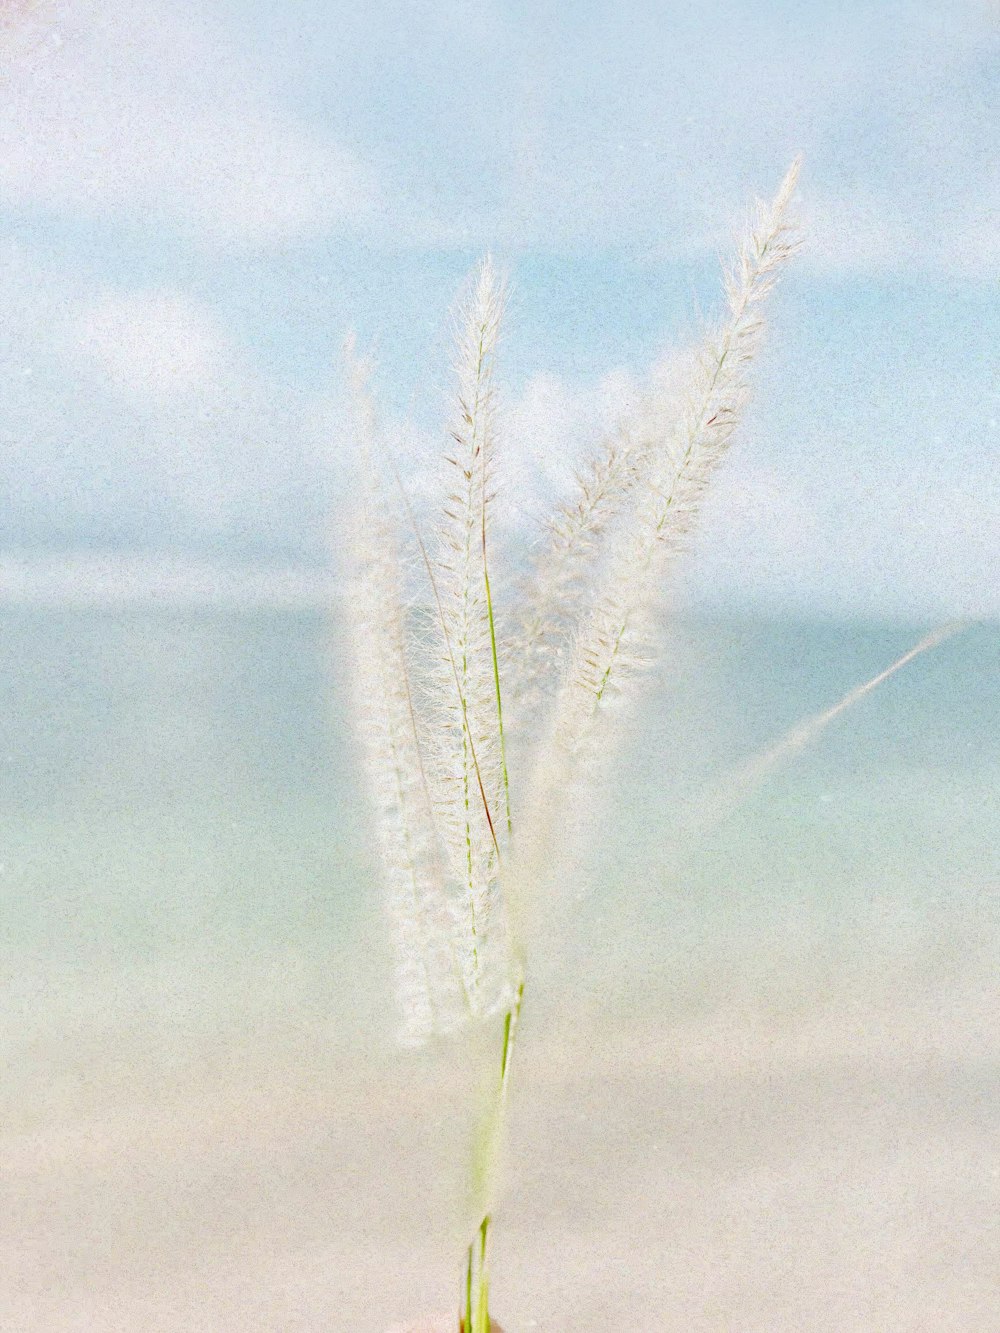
(182, 855)
(796, 995)
(185, 840)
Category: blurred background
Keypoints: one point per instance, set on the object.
(761, 1069)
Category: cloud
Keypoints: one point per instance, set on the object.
(131, 114)
(781, 527)
(857, 232)
(773, 535)
(641, 128)
(151, 345)
(131, 421)
(548, 428)
(868, 232)
(551, 427)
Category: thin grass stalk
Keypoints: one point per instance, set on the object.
(496, 677)
(468, 689)
(476, 1290)
(479, 336)
(740, 785)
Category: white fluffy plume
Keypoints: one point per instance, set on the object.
(430, 994)
(616, 638)
(430, 702)
(469, 766)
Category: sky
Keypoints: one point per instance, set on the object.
(198, 202)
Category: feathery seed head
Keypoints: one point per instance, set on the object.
(435, 684)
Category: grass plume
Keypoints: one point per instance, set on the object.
(654, 508)
(470, 761)
(456, 860)
(429, 998)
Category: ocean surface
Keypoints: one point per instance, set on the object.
(761, 1066)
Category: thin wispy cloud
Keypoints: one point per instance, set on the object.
(135, 115)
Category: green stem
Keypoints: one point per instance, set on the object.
(466, 1318)
(474, 1316)
(496, 683)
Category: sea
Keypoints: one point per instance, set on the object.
(758, 1082)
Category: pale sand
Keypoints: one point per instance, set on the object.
(440, 1324)
(832, 1169)
(445, 1323)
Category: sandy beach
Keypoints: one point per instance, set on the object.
(833, 1169)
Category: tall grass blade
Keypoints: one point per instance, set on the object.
(742, 784)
